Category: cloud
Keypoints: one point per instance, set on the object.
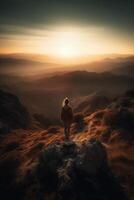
(36, 19)
(80, 40)
(118, 14)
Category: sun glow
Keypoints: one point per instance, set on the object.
(71, 42)
(66, 51)
(66, 43)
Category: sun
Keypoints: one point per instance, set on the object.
(66, 51)
(65, 44)
(77, 42)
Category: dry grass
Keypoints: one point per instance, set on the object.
(24, 147)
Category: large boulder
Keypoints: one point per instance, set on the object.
(12, 113)
(92, 156)
(77, 172)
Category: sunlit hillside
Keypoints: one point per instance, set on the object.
(21, 149)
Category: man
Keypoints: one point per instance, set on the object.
(66, 117)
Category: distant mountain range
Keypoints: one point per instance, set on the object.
(27, 66)
(127, 70)
(43, 92)
(87, 81)
(38, 64)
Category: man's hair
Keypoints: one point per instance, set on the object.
(65, 101)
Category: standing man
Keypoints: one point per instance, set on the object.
(66, 117)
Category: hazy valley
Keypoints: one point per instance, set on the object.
(98, 161)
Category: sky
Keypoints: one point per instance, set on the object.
(67, 27)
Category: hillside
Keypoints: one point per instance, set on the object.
(28, 155)
(90, 63)
(25, 66)
(91, 103)
(108, 64)
(125, 70)
(44, 94)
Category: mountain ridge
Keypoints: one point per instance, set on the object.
(23, 150)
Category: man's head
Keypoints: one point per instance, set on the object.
(66, 101)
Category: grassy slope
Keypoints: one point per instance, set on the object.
(20, 150)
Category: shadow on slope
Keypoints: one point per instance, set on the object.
(12, 113)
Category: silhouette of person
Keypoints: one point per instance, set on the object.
(66, 117)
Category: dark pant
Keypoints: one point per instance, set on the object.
(66, 131)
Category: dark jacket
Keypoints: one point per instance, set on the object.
(67, 114)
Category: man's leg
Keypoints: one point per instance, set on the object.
(66, 132)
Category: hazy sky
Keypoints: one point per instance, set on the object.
(67, 27)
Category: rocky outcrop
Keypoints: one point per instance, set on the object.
(12, 113)
(77, 172)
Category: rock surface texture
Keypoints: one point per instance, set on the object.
(13, 114)
(77, 172)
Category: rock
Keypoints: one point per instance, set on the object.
(69, 148)
(67, 176)
(49, 162)
(12, 113)
(77, 172)
(92, 156)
